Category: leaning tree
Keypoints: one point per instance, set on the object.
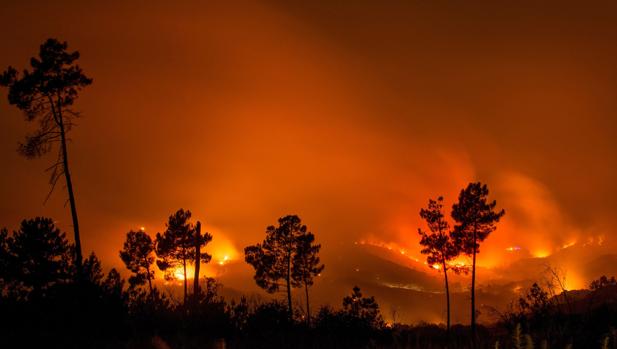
(475, 218)
(46, 94)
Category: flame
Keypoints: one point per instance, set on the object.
(222, 249)
(572, 281)
(541, 253)
(460, 262)
(224, 260)
(178, 273)
(569, 244)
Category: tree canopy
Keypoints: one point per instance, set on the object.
(38, 256)
(137, 254)
(287, 257)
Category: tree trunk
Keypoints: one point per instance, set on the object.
(69, 187)
(308, 308)
(149, 280)
(473, 293)
(197, 261)
(185, 281)
(289, 285)
(445, 273)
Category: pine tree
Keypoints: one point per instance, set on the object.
(199, 240)
(273, 259)
(363, 308)
(307, 265)
(475, 219)
(174, 247)
(47, 94)
(39, 257)
(438, 245)
(137, 254)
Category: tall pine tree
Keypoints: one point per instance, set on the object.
(438, 245)
(276, 259)
(307, 265)
(175, 246)
(46, 94)
(475, 219)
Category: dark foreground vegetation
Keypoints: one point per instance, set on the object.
(43, 306)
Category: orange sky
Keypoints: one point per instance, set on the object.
(351, 116)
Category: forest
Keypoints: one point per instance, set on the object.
(55, 296)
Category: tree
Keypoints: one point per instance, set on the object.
(273, 259)
(93, 272)
(537, 301)
(113, 283)
(200, 240)
(174, 247)
(39, 256)
(602, 282)
(475, 219)
(363, 308)
(4, 256)
(5, 266)
(307, 265)
(137, 254)
(438, 245)
(47, 94)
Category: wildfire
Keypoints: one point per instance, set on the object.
(461, 262)
(572, 281)
(219, 258)
(224, 260)
(569, 244)
(541, 253)
(178, 273)
(389, 247)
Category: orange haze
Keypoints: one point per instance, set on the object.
(350, 114)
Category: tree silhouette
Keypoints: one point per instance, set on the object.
(475, 218)
(438, 245)
(137, 254)
(199, 240)
(363, 308)
(113, 283)
(273, 259)
(174, 247)
(93, 272)
(38, 257)
(537, 301)
(307, 265)
(602, 282)
(5, 270)
(47, 94)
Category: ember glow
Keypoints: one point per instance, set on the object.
(178, 273)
